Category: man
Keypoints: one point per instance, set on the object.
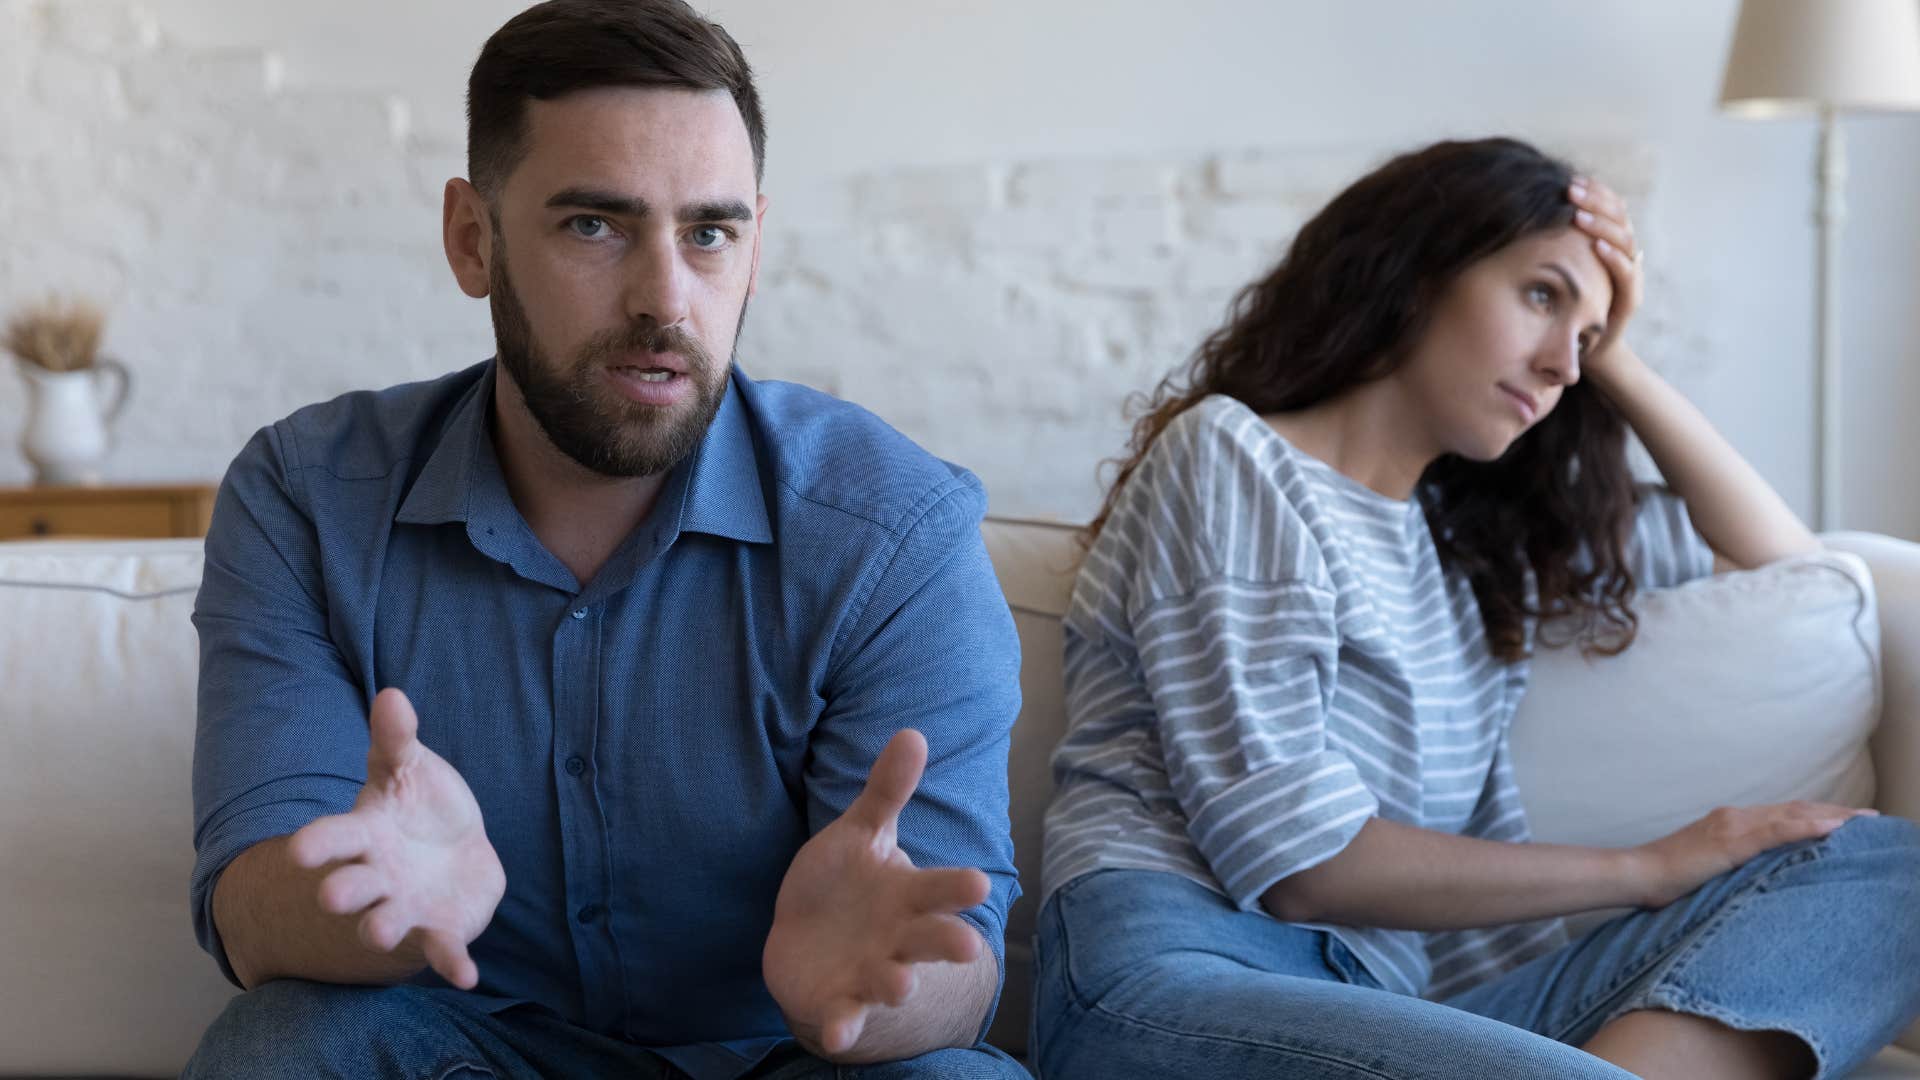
(567, 715)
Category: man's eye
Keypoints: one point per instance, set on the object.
(588, 227)
(710, 237)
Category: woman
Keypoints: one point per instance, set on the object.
(1286, 840)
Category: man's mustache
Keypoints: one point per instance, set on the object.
(648, 335)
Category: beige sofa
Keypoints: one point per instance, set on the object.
(102, 975)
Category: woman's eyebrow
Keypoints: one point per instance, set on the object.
(1572, 285)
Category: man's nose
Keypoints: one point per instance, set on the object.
(657, 282)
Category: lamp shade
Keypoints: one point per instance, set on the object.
(1794, 56)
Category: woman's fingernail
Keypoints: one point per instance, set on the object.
(1579, 191)
(1605, 248)
(1583, 217)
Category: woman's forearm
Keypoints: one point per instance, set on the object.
(1736, 511)
(1407, 878)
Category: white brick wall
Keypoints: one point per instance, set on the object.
(263, 247)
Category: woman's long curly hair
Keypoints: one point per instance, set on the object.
(1354, 292)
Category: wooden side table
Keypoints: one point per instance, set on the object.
(34, 512)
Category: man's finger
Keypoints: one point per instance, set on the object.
(351, 888)
(384, 927)
(393, 731)
(328, 839)
(938, 938)
(891, 782)
(846, 1019)
(451, 959)
(945, 890)
(888, 983)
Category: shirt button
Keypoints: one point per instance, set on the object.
(575, 766)
(589, 913)
(580, 613)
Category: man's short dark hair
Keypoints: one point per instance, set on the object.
(558, 47)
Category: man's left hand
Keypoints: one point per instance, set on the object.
(855, 916)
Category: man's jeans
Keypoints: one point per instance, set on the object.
(1144, 973)
(296, 1029)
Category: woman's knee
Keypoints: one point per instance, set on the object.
(1882, 836)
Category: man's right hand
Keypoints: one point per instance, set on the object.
(411, 858)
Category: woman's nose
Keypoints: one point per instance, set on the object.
(1559, 360)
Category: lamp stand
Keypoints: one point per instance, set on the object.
(1829, 213)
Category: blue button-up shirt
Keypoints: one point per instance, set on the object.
(649, 748)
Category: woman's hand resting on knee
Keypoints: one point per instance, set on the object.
(1675, 865)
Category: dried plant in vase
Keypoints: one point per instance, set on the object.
(58, 344)
(57, 335)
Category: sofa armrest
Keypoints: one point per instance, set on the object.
(1895, 566)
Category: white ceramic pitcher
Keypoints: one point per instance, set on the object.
(68, 416)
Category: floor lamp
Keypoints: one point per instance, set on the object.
(1796, 57)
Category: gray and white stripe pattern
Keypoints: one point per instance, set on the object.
(1261, 654)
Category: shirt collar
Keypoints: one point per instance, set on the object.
(443, 490)
(724, 495)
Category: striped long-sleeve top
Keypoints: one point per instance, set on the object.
(1261, 654)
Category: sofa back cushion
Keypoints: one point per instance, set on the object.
(98, 662)
(1036, 563)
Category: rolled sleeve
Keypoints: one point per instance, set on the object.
(1664, 548)
(1240, 675)
(281, 736)
(933, 648)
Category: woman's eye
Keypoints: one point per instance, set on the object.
(1540, 296)
(588, 227)
(710, 237)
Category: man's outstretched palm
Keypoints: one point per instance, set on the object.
(854, 915)
(413, 860)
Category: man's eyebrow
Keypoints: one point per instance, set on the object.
(609, 202)
(717, 210)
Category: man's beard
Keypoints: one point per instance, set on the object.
(580, 414)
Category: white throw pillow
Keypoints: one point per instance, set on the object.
(1745, 688)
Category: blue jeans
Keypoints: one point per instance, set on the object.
(1143, 973)
(296, 1029)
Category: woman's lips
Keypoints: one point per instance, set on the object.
(1529, 409)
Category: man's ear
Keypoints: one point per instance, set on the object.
(466, 229)
(759, 231)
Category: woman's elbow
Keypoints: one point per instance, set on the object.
(1293, 899)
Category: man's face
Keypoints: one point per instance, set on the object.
(625, 246)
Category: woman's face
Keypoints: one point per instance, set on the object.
(1505, 340)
